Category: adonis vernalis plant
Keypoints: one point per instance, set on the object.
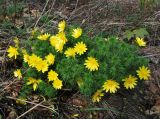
(72, 60)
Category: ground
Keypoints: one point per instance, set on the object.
(104, 17)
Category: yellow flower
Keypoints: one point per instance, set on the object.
(80, 48)
(34, 31)
(59, 38)
(32, 60)
(54, 40)
(26, 57)
(42, 65)
(16, 41)
(57, 42)
(130, 82)
(70, 52)
(61, 26)
(111, 86)
(80, 82)
(75, 115)
(50, 59)
(44, 36)
(140, 41)
(18, 73)
(12, 52)
(59, 46)
(77, 32)
(57, 84)
(34, 82)
(97, 96)
(21, 101)
(62, 37)
(52, 75)
(91, 64)
(24, 51)
(143, 73)
(36, 62)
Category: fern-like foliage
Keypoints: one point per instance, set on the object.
(116, 59)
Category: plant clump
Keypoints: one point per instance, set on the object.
(72, 60)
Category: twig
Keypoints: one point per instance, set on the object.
(2, 51)
(32, 103)
(29, 110)
(49, 11)
(4, 56)
(152, 55)
(41, 13)
(128, 23)
(11, 78)
(76, 5)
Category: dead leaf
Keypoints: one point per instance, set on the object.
(1, 59)
(156, 74)
(19, 23)
(35, 13)
(26, 15)
(156, 108)
(78, 102)
(12, 114)
(153, 88)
